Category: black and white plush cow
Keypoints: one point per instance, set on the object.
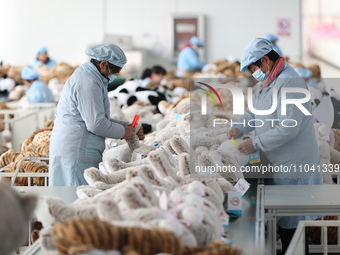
(132, 91)
(326, 105)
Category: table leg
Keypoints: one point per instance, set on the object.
(274, 232)
(269, 232)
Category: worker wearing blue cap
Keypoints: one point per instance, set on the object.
(38, 91)
(287, 145)
(307, 75)
(188, 59)
(273, 39)
(83, 117)
(42, 59)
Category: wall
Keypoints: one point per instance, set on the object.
(68, 27)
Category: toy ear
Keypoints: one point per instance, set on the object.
(108, 210)
(147, 128)
(317, 101)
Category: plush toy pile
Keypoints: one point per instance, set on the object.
(150, 189)
(131, 98)
(12, 72)
(37, 145)
(222, 69)
(62, 71)
(132, 91)
(55, 77)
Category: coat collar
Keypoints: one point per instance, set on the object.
(98, 74)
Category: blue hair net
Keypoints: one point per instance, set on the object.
(304, 72)
(107, 52)
(41, 49)
(28, 73)
(255, 50)
(195, 40)
(271, 37)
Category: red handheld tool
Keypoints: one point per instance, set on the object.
(135, 120)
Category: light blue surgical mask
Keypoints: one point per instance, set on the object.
(111, 77)
(260, 76)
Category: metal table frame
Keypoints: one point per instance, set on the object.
(308, 208)
(297, 245)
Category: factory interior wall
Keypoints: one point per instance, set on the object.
(68, 27)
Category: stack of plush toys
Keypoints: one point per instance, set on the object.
(222, 69)
(10, 79)
(37, 145)
(150, 192)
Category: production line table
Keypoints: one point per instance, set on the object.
(67, 194)
(244, 230)
(298, 200)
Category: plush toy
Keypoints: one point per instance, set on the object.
(144, 111)
(56, 87)
(15, 213)
(9, 157)
(132, 91)
(62, 71)
(178, 82)
(27, 167)
(14, 72)
(36, 226)
(18, 92)
(229, 147)
(66, 240)
(328, 154)
(6, 84)
(336, 133)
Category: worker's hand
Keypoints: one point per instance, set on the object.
(129, 132)
(233, 133)
(140, 132)
(246, 147)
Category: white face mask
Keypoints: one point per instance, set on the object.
(111, 76)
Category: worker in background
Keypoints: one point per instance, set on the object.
(154, 75)
(307, 75)
(83, 117)
(42, 59)
(38, 91)
(282, 146)
(273, 39)
(188, 59)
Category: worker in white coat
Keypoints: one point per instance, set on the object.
(38, 91)
(83, 117)
(42, 59)
(188, 59)
(283, 146)
(307, 75)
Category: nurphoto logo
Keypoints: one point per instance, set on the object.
(239, 99)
